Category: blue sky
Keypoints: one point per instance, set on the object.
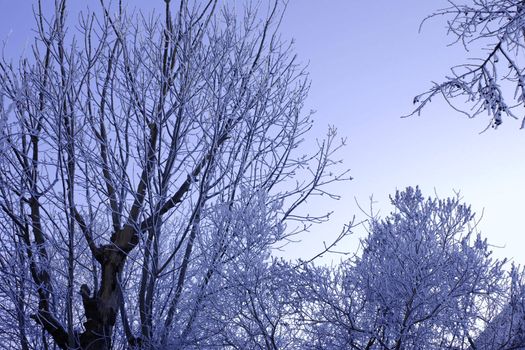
(366, 62)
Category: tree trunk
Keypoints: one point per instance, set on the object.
(101, 309)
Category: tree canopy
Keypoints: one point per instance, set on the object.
(149, 165)
(147, 162)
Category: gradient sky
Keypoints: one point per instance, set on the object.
(367, 61)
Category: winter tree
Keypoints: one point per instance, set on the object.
(494, 82)
(506, 331)
(424, 280)
(148, 166)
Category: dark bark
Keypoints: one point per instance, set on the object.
(101, 309)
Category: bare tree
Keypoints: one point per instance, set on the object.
(144, 160)
(494, 82)
(424, 280)
(506, 331)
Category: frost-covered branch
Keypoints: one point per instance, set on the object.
(494, 83)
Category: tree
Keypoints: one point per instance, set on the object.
(424, 280)
(147, 162)
(506, 331)
(495, 82)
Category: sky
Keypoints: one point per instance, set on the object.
(367, 60)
